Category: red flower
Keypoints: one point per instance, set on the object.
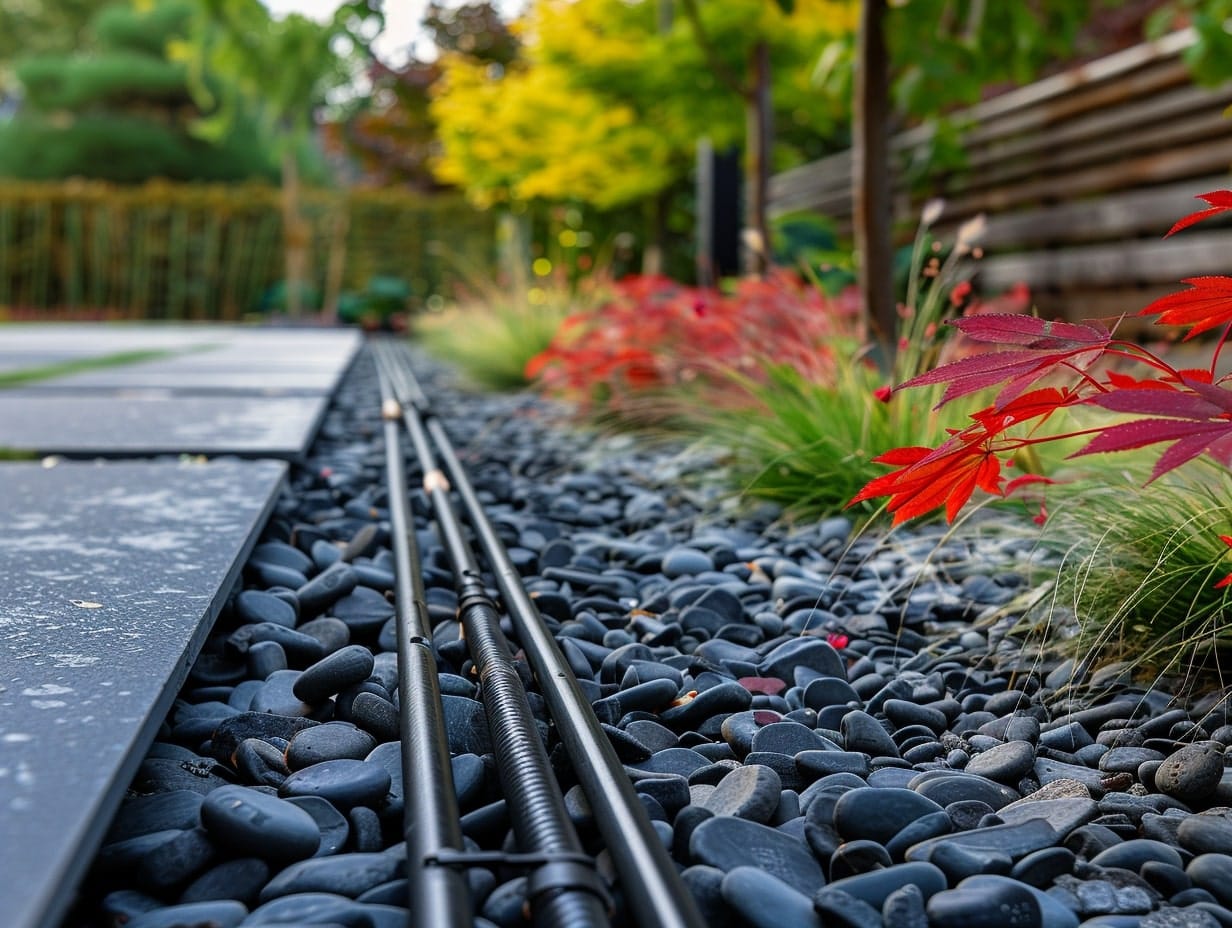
(840, 641)
(960, 293)
(883, 393)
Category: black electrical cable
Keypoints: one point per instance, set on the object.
(654, 891)
(439, 896)
(564, 889)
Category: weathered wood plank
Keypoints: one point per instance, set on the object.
(1139, 171)
(1172, 132)
(1102, 124)
(1118, 264)
(1117, 306)
(1147, 213)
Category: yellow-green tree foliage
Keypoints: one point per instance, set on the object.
(605, 104)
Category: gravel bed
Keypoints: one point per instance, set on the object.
(824, 729)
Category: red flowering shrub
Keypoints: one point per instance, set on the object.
(655, 333)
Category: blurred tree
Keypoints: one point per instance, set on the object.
(473, 29)
(1210, 57)
(391, 137)
(608, 99)
(287, 68)
(37, 27)
(916, 60)
(391, 134)
(121, 110)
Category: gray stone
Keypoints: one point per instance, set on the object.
(873, 887)
(1064, 815)
(1005, 763)
(727, 842)
(251, 823)
(93, 425)
(750, 792)
(343, 874)
(112, 576)
(222, 913)
(228, 361)
(1014, 841)
(879, 814)
(1205, 834)
(764, 901)
(1192, 773)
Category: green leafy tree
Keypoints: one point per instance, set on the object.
(121, 110)
(287, 68)
(914, 61)
(608, 99)
(391, 135)
(741, 42)
(1210, 57)
(472, 29)
(37, 27)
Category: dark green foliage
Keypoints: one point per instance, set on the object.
(122, 111)
(122, 27)
(37, 27)
(809, 241)
(117, 79)
(276, 297)
(1208, 58)
(384, 297)
(124, 149)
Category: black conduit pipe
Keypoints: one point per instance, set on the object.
(431, 824)
(654, 891)
(563, 890)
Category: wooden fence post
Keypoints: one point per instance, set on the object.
(870, 179)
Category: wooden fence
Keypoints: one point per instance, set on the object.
(172, 251)
(1078, 176)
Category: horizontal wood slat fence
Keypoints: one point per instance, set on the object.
(204, 252)
(1078, 175)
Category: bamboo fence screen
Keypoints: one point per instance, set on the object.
(211, 252)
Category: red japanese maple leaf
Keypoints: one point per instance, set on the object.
(929, 478)
(1197, 422)
(948, 474)
(1219, 201)
(1206, 305)
(1046, 345)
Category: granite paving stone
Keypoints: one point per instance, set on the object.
(113, 575)
(262, 361)
(148, 425)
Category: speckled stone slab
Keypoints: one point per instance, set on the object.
(113, 575)
(142, 424)
(23, 345)
(226, 361)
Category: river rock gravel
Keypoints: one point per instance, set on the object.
(825, 727)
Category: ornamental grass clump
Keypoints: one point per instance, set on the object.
(496, 327)
(804, 441)
(1145, 578)
(1148, 568)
